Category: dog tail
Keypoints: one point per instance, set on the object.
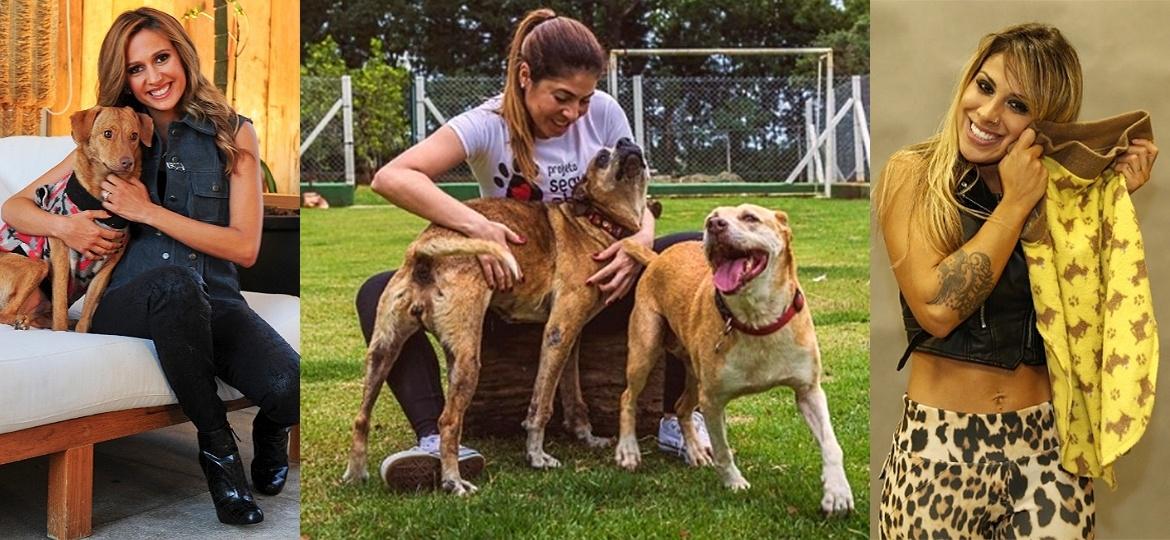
(639, 252)
(451, 246)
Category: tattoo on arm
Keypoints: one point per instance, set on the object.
(964, 282)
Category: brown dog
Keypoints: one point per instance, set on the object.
(108, 140)
(760, 337)
(447, 294)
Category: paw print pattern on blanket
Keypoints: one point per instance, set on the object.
(1091, 290)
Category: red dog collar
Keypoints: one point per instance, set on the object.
(599, 220)
(793, 308)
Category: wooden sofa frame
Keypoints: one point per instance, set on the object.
(69, 445)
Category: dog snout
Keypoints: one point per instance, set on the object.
(126, 163)
(626, 147)
(716, 225)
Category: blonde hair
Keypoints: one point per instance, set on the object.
(552, 46)
(1046, 66)
(200, 99)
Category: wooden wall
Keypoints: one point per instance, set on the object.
(265, 88)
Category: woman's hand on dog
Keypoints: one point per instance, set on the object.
(616, 279)
(498, 277)
(129, 199)
(89, 239)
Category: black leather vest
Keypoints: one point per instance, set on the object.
(1002, 333)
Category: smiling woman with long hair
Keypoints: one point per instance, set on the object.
(976, 454)
(195, 214)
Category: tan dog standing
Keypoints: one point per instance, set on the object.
(108, 142)
(760, 338)
(442, 289)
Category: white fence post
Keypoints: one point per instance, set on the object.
(858, 159)
(831, 139)
(639, 120)
(347, 127)
(420, 108)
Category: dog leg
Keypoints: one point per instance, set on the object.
(394, 326)
(560, 336)
(20, 277)
(838, 498)
(462, 344)
(698, 454)
(59, 257)
(645, 351)
(93, 293)
(573, 405)
(713, 409)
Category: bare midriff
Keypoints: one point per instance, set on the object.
(968, 387)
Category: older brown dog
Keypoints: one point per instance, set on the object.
(447, 295)
(108, 142)
(733, 308)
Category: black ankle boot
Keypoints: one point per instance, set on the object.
(270, 464)
(224, 470)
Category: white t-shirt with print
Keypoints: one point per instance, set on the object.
(561, 160)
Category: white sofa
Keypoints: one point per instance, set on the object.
(62, 392)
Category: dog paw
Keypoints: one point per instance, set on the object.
(737, 484)
(459, 487)
(703, 457)
(354, 475)
(596, 442)
(627, 455)
(541, 460)
(838, 499)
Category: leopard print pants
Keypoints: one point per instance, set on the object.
(959, 475)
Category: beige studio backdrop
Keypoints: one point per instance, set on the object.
(918, 49)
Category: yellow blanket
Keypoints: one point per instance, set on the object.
(1092, 295)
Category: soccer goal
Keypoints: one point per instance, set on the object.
(766, 132)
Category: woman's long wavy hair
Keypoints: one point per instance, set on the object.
(552, 46)
(201, 99)
(1047, 67)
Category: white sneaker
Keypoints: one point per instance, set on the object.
(670, 437)
(418, 468)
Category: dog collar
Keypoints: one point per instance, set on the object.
(599, 220)
(86, 201)
(795, 307)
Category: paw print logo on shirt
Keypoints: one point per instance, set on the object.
(516, 186)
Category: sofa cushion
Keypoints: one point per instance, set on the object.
(48, 376)
(23, 159)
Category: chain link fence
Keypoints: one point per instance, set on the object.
(694, 129)
(324, 160)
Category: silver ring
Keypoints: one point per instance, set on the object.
(105, 195)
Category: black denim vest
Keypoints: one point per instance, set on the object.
(196, 187)
(1002, 333)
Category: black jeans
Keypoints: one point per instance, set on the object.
(415, 379)
(199, 338)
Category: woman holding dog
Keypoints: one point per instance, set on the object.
(976, 454)
(534, 142)
(195, 214)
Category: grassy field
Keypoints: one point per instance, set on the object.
(589, 497)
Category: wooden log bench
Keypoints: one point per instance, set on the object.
(510, 357)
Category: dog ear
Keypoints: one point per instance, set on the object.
(146, 131)
(782, 217)
(82, 122)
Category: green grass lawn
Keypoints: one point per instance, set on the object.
(588, 497)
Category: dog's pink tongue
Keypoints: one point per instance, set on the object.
(729, 274)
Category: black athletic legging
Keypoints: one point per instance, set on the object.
(415, 379)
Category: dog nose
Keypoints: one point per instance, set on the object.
(126, 163)
(625, 147)
(716, 224)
